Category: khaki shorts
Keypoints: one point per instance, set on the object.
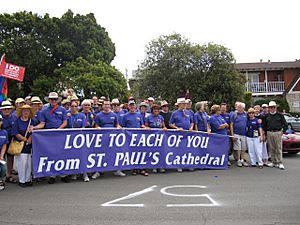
(240, 143)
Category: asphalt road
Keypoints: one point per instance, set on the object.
(235, 196)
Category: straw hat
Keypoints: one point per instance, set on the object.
(6, 105)
(19, 111)
(163, 103)
(115, 101)
(19, 100)
(65, 101)
(272, 103)
(36, 99)
(151, 99)
(181, 100)
(144, 104)
(52, 95)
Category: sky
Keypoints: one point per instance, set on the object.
(251, 29)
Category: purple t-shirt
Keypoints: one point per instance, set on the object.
(239, 121)
(155, 121)
(56, 119)
(106, 119)
(181, 119)
(77, 121)
(133, 120)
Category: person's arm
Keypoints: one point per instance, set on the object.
(284, 123)
(29, 140)
(3, 150)
(63, 125)
(231, 129)
(223, 126)
(196, 127)
(261, 137)
(21, 137)
(41, 125)
(191, 127)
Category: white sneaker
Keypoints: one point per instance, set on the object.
(179, 170)
(154, 171)
(96, 175)
(276, 165)
(281, 166)
(120, 173)
(74, 177)
(228, 163)
(162, 170)
(245, 164)
(270, 164)
(86, 178)
(239, 163)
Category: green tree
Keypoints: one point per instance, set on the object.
(43, 44)
(93, 79)
(174, 66)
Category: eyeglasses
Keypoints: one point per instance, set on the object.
(87, 105)
(7, 109)
(250, 112)
(73, 106)
(272, 107)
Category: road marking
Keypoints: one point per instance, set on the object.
(132, 195)
(164, 191)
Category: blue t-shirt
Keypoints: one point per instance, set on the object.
(90, 119)
(54, 120)
(252, 125)
(201, 121)
(120, 116)
(8, 123)
(133, 120)
(155, 121)
(226, 117)
(181, 119)
(191, 112)
(106, 119)
(77, 120)
(3, 138)
(37, 116)
(145, 115)
(20, 127)
(239, 121)
(215, 121)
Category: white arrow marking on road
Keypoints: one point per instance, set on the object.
(132, 195)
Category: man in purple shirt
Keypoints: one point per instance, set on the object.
(53, 116)
(238, 124)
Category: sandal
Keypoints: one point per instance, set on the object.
(144, 173)
(10, 179)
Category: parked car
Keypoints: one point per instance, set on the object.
(291, 143)
(293, 122)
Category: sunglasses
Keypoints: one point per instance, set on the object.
(272, 107)
(87, 105)
(73, 106)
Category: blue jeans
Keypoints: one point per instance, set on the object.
(3, 169)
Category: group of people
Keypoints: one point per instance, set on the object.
(258, 130)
